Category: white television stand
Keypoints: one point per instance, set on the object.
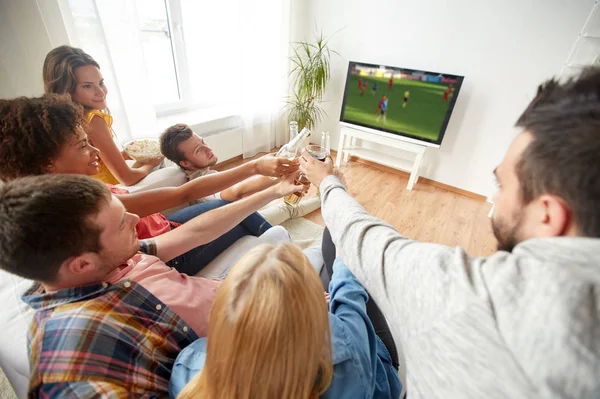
(347, 146)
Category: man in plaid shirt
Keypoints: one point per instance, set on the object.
(111, 317)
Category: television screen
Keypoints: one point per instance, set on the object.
(405, 102)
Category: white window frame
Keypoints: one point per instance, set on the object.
(175, 21)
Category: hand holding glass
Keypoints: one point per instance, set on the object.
(316, 151)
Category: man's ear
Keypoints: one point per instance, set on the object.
(81, 265)
(186, 164)
(555, 217)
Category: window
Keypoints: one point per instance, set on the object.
(210, 50)
(212, 46)
(182, 55)
(158, 21)
(155, 35)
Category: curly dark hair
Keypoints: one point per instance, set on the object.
(33, 131)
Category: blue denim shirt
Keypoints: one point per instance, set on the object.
(362, 365)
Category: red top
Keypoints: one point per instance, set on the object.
(151, 225)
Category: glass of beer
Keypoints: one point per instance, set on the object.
(317, 152)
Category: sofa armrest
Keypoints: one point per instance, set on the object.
(170, 176)
(15, 320)
(220, 266)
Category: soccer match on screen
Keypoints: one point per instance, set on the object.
(402, 101)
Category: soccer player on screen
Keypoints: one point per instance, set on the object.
(379, 105)
(375, 86)
(364, 89)
(391, 82)
(383, 104)
(383, 98)
(406, 95)
(447, 93)
(360, 82)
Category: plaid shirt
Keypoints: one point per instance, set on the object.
(103, 340)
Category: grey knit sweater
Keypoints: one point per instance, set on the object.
(524, 324)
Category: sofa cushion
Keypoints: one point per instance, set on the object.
(170, 176)
(221, 265)
(15, 319)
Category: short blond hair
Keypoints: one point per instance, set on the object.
(268, 334)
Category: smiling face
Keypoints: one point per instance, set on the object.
(197, 153)
(77, 156)
(90, 90)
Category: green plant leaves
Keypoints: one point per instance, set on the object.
(311, 72)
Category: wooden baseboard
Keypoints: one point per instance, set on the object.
(456, 190)
(227, 164)
(422, 180)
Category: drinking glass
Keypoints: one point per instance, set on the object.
(316, 151)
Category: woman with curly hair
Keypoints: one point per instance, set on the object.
(44, 135)
(33, 134)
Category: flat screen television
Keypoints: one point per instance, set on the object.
(415, 105)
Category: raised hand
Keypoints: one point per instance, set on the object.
(287, 185)
(270, 165)
(315, 170)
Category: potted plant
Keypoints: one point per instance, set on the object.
(311, 71)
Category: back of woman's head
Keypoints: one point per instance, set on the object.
(269, 331)
(59, 68)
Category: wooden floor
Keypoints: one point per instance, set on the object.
(427, 213)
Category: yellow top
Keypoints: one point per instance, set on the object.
(104, 174)
(406, 93)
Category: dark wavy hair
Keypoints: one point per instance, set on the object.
(33, 131)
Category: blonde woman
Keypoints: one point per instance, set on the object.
(270, 336)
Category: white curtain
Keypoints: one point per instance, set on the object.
(265, 36)
(236, 59)
(107, 30)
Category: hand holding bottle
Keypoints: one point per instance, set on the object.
(292, 149)
(275, 166)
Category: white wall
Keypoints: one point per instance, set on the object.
(503, 48)
(25, 38)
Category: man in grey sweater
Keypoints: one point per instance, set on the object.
(525, 321)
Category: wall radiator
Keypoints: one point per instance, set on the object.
(224, 136)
